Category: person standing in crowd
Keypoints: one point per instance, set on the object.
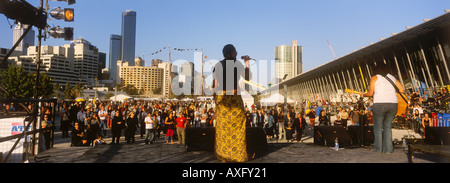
(426, 120)
(417, 119)
(65, 121)
(344, 117)
(254, 115)
(102, 113)
(197, 117)
(46, 133)
(181, 125)
(108, 117)
(354, 117)
(322, 118)
(116, 127)
(289, 126)
(80, 118)
(142, 124)
(299, 125)
(149, 128)
(312, 118)
(268, 124)
(261, 116)
(170, 126)
(274, 113)
(131, 126)
(204, 118)
(384, 107)
(248, 119)
(281, 124)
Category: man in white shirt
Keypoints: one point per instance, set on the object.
(149, 129)
(197, 117)
(102, 116)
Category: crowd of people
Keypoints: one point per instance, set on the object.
(88, 122)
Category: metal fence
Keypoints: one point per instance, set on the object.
(31, 113)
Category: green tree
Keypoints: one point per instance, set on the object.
(130, 90)
(68, 94)
(45, 87)
(108, 95)
(17, 82)
(157, 91)
(20, 84)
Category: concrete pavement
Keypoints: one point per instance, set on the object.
(277, 152)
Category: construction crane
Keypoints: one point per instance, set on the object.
(331, 49)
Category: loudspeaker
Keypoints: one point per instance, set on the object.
(256, 140)
(200, 138)
(356, 133)
(203, 139)
(437, 135)
(325, 136)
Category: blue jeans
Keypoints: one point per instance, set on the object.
(102, 126)
(149, 133)
(383, 116)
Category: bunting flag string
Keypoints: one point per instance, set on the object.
(175, 49)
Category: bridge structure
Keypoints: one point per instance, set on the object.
(418, 57)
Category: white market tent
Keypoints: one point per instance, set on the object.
(247, 99)
(120, 97)
(187, 99)
(274, 99)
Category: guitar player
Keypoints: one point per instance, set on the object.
(383, 88)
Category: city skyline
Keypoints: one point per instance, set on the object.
(255, 29)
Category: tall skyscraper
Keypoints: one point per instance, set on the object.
(114, 54)
(128, 36)
(288, 60)
(27, 41)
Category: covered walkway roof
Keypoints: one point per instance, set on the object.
(412, 33)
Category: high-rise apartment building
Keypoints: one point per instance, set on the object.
(145, 79)
(128, 36)
(166, 78)
(114, 54)
(57, 63)
(86, 58)
(288, 61)
(27, 41)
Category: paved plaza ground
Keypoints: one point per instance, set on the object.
(277, 152)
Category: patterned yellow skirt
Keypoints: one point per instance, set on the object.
(230, 129)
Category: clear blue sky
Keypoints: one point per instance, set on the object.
(255, 27)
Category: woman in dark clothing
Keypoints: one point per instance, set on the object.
(131, 126)
(299, 125)
(322, 118)
(116, 127)
(92, 129)
(288, 125)
(78, 138)
(170, 126)
(312, 118)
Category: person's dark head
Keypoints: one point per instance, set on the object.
(381, 69)
(76, 125)
(229, 52)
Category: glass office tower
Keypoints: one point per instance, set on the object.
(114, 55)
(128, 36)
(288, 60)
